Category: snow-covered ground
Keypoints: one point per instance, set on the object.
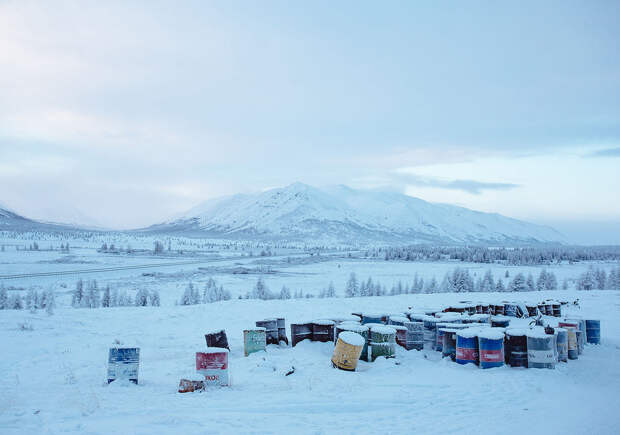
(54, 376)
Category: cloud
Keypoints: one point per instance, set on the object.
(470, 186)
(609, 152)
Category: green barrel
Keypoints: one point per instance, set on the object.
(254, 340)
(382, 342)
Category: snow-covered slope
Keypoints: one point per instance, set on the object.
(11, 221)
(342, 214)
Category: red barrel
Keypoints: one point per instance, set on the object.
(401, 335)
(213, 364)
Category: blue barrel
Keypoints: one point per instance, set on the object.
(372, 318)
(491, 349)
(593, 331)
(466, 347)
(562, 344)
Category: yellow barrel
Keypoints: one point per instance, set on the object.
(348, 350)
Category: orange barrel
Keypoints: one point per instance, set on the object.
(188, 386)
(254, 340)
(217, 338)
(348, 350)
(323, 330)
(213, 365)
(401, 335)
(300, 332)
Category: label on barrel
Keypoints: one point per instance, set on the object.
(491, 355)
(123, 363)
(466, 354)
(213, 366)
(541, 356)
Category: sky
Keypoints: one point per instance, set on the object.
(122, 114)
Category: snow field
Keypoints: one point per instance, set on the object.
(54, 376)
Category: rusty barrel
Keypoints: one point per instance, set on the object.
(541, 349)
(500, 321)
(217, 339)
(213, 365)
(491, 347)
(123, 363)
(467, 346)
(397, 320)
(348, 350)
(532, 309)
(562, 344)
(415, 335)
(557, 309)
(382, 342)
(515, 347)
(254, 340)
(323, 330)
(300, 332)
(448, 347)
(485, 309)
(271, 330)
(401, 335)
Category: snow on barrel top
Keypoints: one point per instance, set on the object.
(352, 338)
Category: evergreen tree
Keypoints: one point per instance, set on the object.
(518, 283)
(488, 283)
(93, 299)
(431, 286)
(331, 291)
(50, 302)
(16, 302)
(78, 294)
(154, 298)
(142, 298)
(351, 290)
(29, 300)
(114, 298)
(541, 283)
(4, 298)
(261, 291)
(529, 283)
(105, 299)
(499, 287)
(552, 281)
(285, 293)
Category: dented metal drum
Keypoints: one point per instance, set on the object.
(213, 365)
(123, 363)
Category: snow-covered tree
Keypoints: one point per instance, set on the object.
(106, 299)
(285, 293)
(114, 298)
(29, 301)
(488, 283)
(78, 294)
(331, 291)
(142, 298)
(529, 283)
(16, 302)
(601, 279)
(154, 298)
(351, 290)
(587, 280)
(93, 299)
(499, 286)
(261, 291)
(50, 302)
(518, 283)
(4, 298)
(209, 295)
(431, 286)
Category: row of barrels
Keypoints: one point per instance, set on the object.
(512, 309)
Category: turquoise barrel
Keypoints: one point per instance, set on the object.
(515, 347)
(562, 344)
(491, 348)
(415, 335)
(593, 331)
(254, 340)
(467, 346)
(541, 350)
(382, 342)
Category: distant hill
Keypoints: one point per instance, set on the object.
(343, 215)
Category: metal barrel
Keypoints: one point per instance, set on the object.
(348, 350)
(562, 344)
(430, 332)
(448, 347)
(467, 347)
(500, 322)
(491, 348)
(580, 341)
(217, 339)
(254, 340)
(372, 318)
(593, 331)
(532, 310)
(397, 320)
(189, 386)
(362, 330)
(282, 330)
(300, 332)
(439, 333)
(515, 347)
(213, 365)
(498, 309)
(557, 309)
(271, 330)
(401, 335)
(382, 342)
(542, 309)
(323, 331)
(123, 363)
(573, 351)
(510, 310)
(415, 335)
(548, 309)
(541, 351)
(485, 309)
(478, 308)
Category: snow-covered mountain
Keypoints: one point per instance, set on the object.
(11, 221)
(340, 214)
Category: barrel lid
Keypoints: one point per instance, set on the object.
(214, 350)
(517, 332)
(255, 328)
(538, 332)
(399, 318)
(352, 338)
(500, 318)
(354, 327)
(383, 329)
(469, 332)
(491, 333)
(374, 314)
(398, 327)
(479, 317)
(323, 322)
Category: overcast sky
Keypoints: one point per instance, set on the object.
(125, 113)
